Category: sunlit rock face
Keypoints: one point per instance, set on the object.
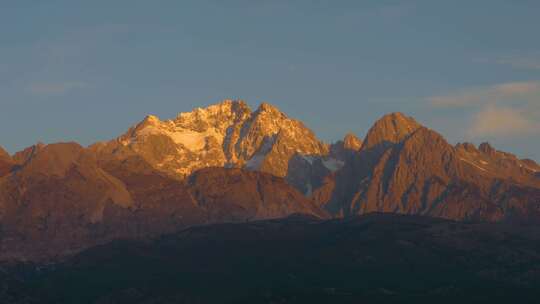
(61, 200)
(55, 197)
(226, 163)
(4, 154)
(404, 167)
(232, 195)
(179, 146)
(391, 129)
(228, 134)
(6, 162)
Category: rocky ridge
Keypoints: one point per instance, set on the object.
(6, 162)
(62, 200)
(226, 163)
(227, 134)
(406, 168)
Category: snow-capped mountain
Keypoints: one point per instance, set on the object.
(227, 163)
(228, 134)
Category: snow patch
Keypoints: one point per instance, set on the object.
(529, 168)
(255, 162)
(473, 164)
(333, 164)
(309, 190)
(193, 141)
(309, 159)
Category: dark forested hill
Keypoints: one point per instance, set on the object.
(376, 258)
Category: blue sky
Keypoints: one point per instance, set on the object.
(87, 70)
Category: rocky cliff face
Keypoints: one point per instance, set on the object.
(56, 195)
(497, 164)
(406, 168)
(232, 195)
(308, 172)
(228, 134)
(62, 200)
(388, 131)
(21, 157)
(4, 154)
(226, 163)
(6, 162)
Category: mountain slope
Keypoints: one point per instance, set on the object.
(62, 200)
(232, 195)
(4, 154)
(378, 258)
(49, 202)
(308, 172)
(390, 129)
(6, 162)
(226, 163)
(406, 168)
(228, 134)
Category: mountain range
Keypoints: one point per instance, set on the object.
(227, 163)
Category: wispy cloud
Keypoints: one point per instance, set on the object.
(55, 88)
(519, 89)
(494, 121)
(502, 110)
(528, 91)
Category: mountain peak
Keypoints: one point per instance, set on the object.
(487, 149)
(231, 102)
(234, 102)
(6, 162)
(390, 129)
(25, 155)
(269, 108)
(213, 114)
(4, 154)
(226, 105)
(399, 121)
(151, 119)
(224, 134)
(468, 147)
(54, 159)
(238, 105)
(352, 142)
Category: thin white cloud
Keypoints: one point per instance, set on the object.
(502, 110)
(527, 91)
(55, 88)
(494, 121)
(518, 89)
